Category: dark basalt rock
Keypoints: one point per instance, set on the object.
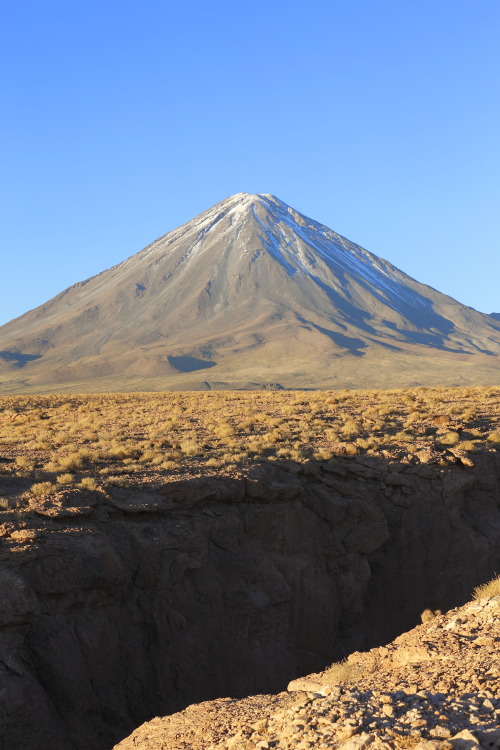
(218, 587)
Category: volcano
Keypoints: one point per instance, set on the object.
(247, 294)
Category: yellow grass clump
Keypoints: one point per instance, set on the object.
(488, 589)
(41, 489)
(343, 671)
(56, 440)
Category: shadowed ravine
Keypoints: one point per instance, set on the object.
(148, 602)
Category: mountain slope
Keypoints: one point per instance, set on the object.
(249, 291)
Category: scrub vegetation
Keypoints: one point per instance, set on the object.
(491, 588)
(93, 441)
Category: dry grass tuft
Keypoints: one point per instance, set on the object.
(488, 589)
(115, 481)
(154, 437)
(429, 614)
(343, 671)
(87, 483)
(65, 479)
(41, 489)
(24, 463)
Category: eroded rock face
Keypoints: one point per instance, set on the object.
(146, 603)
(436, 687)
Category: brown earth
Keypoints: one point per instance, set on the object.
(65, 441)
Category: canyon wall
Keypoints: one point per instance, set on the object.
(144, 601)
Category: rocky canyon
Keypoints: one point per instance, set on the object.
(123, 605)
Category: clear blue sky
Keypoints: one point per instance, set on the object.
(123, 119)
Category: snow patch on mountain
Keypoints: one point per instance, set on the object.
(288, 236)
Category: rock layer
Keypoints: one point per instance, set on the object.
(137, 604)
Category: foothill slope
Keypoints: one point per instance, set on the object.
(248, 293)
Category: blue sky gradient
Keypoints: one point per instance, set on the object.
(121, 120)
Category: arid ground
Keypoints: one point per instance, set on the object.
(162, 549)
(52, 445)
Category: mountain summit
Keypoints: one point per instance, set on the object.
(247, 293)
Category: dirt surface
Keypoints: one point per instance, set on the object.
(205, 724)
(53, 447)
(435, 687)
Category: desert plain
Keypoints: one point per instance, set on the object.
(159, 550)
